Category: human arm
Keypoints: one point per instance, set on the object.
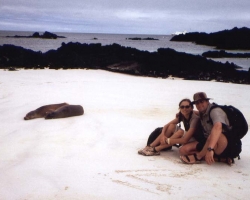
(180, 140)
(218, 117)
(174, 121)
(194, 128)
(167, 129)
(212, 141)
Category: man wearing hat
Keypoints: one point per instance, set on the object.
(216, 139)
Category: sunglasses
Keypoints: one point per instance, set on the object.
(199, 101)
(182, 107)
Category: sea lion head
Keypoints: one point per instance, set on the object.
(30, 115)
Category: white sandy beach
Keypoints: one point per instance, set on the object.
(94, 156)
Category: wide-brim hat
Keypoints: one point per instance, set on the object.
(200, 96)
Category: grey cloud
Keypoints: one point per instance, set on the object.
(140, 16)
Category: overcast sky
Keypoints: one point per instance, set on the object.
(126, 16)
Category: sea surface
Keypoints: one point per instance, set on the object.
(163, 41)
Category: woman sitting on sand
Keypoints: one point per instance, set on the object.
(172, 134)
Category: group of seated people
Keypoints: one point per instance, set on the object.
(199, 139)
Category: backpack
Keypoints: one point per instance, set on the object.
(237, 130)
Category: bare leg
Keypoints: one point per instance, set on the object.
(218, 149)
(177, 134)
(189, 148)
(170, 130)
(221, 145)
(156, 146)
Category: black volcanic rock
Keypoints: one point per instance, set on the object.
(36, 35)
(138, 38)
(224, 54)
(45, 35)
(14, 56)
(49, 35)
(163, 63)
(236, 38)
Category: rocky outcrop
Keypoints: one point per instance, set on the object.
(224, 54)
(125, 67)
(236, 38)
(163, 63)
(45, 35)
(138, 38)
(15, 56)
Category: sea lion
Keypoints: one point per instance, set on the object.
(65, 111)
(43, 110)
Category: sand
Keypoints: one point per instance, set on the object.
(94, 156)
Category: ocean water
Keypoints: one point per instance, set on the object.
(163, 41)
